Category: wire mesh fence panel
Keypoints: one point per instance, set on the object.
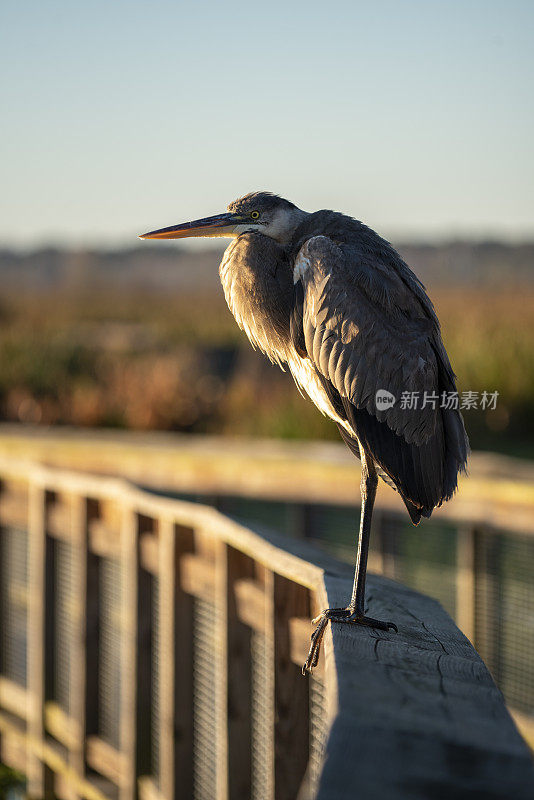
(277, 515)
(262, 717)
(488, 621)
(13, 603)
(64, 584)
(334, 527)
(205, 698)
(423, 558)
(505, 614)
(109, 651)
(318, 731)
(517, 639)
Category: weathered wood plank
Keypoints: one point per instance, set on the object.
(62, 727)
(14, 503)
(148, 791)
(198, 576)
(149, 552)
(59, 519)
(250, 603)
(13, 748)
(13, 698)
(419, 714)
(525, 726)
(104, 541)
(108, 761)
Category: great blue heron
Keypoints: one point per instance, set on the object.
(326, 296)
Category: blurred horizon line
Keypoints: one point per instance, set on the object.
(213, 245)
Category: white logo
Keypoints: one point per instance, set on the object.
(384, 399)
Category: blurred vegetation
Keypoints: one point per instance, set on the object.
(157, 360)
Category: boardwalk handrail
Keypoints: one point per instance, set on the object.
(475, 554)
(499, 491)
(160, 656)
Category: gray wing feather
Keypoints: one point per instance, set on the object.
(362, 344)
(364, 332)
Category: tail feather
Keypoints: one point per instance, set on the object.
(424, 475)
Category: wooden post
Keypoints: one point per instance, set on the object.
(291, 693)
(220, 655)
(38, 776)
(267, 578)
(79, 602)
(127, 732)
(167, 614)
(239, 670)
(178, 670)
(144, 679)
(412, 699)
(91, 625)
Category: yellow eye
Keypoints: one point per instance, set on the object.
(255, 214)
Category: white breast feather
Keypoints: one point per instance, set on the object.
(307, 381)
(301, 369)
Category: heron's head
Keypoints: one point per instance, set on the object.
(258, 211)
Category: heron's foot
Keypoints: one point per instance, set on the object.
(338, 615)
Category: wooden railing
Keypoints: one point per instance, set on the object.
(476, 554)
(151, 647)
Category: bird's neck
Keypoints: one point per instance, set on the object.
(284, 224)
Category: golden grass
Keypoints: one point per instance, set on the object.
(151, 360)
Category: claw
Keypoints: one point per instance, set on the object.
(337, 615)
(315, 646)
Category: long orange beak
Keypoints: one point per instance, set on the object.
(219, 225)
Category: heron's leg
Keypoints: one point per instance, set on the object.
(354, 613)
(368, 484)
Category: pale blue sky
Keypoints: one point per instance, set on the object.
(416, 116)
